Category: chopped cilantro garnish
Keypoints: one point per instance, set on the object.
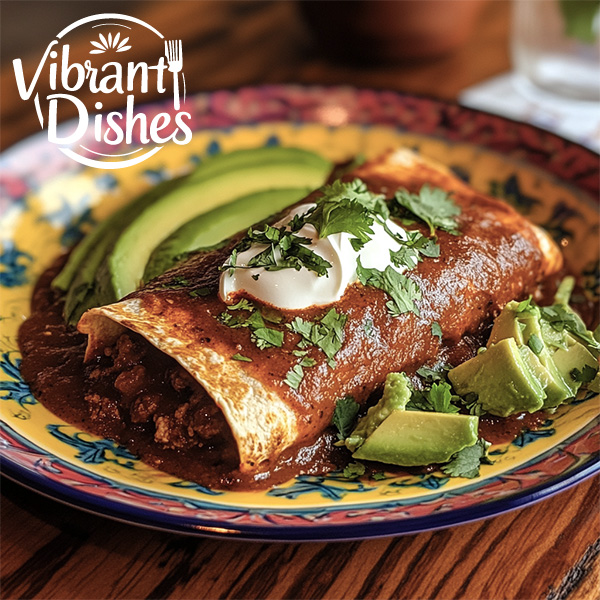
(354, 470)
(535, 343)
(431, 375)
(260, 334)
(413, 249)
(357, 191)
(308, 362)
(379, 476)
(200, 292)
(561, 317)
(294, 377)
(525, 305)
(344, 416)
(265, 337)
(436, 330)
(438, 398)
(368, 326)
(243, 304)
(271, 314)
(343, 215)
(466, 462)
(284, 250)
(176, 282)
(327, 334)
(433, 206)
(402, 290)
(242, 358)
(585, 375)
(472, 405)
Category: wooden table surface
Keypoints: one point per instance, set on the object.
(547, 550)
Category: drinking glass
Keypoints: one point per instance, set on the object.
(555, 46)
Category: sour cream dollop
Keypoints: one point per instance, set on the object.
(295, 290)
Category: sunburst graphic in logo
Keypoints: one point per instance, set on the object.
(111, 42)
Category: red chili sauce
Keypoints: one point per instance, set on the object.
(143, 399)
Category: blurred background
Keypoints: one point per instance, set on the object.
(448, 49)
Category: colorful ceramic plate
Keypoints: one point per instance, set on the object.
(51, 200)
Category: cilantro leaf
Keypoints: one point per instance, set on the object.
(405, 256)
(368, 326)
(433, 206)
(431, 375)
(348, 207)
(265, 337)
(308, 362)
(466, 462)
(283, 249)
(561, 317)
(200, 292)
(327, 334)
(294, 377)
(343, 215)
(586, 374)
(176, 282)
(436, 330)
(437, 398)
(242, 358)
(525, 305)
(402, 290)
(412, 249)
(440, 397)
(472, 404)
(344, 416)
(260, 334)
(357, 190)
(354, 470)
(243, 304)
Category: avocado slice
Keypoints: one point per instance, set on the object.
(79, 275)
(412, 438)
(503, 381)
(236, 175)
(216, 225)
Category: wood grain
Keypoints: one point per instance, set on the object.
(548, 550)
(545, 551)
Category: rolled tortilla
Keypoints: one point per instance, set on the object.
(498, 256)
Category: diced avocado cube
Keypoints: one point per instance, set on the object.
(412, 438)
(553, 385)
(502, 380)
(396, 394)
(553, 338)
(525, 326)
(507, 325)
(575, 356)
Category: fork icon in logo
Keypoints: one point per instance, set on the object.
(175, 59)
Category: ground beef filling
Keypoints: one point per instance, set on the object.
(136, 386)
